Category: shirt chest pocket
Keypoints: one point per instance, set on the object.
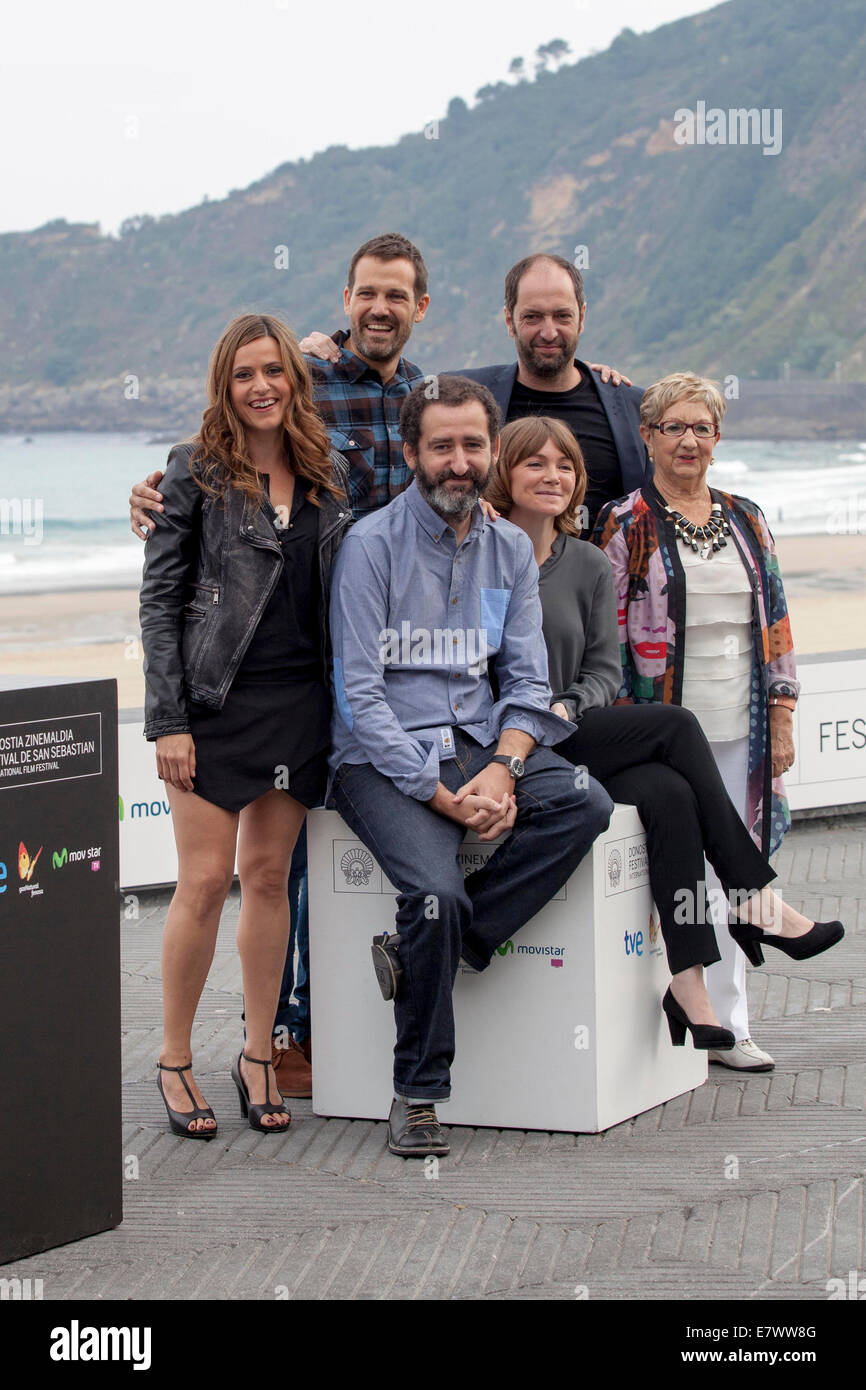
(494, 607)
(358, 448)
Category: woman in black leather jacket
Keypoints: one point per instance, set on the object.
(235, 635)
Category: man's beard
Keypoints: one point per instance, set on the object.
(445, 503)
(550, 365)
(381, 351)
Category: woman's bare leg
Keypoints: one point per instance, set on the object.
(269, 828)
(205, 836)
(773, 915)
(690, 991)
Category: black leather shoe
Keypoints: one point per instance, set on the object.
(820, 938)
(705, 1036)
(414, 1131)
(386, 963)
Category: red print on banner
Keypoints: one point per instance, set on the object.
(26, 865)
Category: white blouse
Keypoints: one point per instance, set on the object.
(718, 648)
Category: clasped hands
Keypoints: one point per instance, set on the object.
(485, 804)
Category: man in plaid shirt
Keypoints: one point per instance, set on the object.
(359, 396)
(360, 379)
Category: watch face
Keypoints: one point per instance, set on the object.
(517, 767)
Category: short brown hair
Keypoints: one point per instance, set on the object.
(391, 246)
(517, 272)
(522, 439)
(445, 390)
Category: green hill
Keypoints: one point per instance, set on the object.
(719, 258)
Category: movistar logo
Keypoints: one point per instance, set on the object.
(60, 858)
(504, 950)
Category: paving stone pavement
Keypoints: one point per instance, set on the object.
(749, 1187)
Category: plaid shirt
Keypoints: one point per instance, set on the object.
(362, 417)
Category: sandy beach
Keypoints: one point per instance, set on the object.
(93, 634)
(825, 586)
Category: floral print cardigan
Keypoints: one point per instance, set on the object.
(638, 539)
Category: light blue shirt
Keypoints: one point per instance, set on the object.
(415, 620)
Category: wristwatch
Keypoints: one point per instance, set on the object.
(515, 765)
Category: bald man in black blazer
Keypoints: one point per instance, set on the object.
(545, 311)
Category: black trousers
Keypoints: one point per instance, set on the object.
(657, 758)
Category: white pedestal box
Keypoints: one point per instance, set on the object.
(563, 1031)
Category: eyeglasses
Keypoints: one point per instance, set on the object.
(675, 429)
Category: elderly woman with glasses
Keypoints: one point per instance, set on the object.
(704, 624)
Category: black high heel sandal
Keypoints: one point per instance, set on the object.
(750, 939)
(253, 1113)
(704, 1035)
(180, 1119)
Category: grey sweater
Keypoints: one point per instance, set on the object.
(580, 626)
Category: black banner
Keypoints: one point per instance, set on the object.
(60, 1137)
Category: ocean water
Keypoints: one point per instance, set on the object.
(804, 487)
(70, 529)
(64, 500)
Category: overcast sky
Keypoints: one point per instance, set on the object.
(109, 108)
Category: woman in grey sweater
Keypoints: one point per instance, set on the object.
(652, 756)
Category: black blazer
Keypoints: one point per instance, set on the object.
(621, 406)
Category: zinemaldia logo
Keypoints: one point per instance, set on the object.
(357, 866)
(614, 868)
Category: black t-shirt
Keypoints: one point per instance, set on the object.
(581, 409)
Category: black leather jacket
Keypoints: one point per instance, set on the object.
(210, 567)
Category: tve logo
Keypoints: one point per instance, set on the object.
(633, 943)
(4, 873)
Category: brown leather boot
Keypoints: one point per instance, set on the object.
(293, 1072)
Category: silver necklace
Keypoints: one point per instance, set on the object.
(703, 540)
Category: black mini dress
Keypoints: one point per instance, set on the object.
(273, 728)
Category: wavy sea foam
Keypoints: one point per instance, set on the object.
(82, 482)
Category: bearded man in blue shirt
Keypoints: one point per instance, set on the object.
(428, 598)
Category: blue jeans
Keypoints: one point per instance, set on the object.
(440, 915)
(296, 1016)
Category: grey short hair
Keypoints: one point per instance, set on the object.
(681, 386)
